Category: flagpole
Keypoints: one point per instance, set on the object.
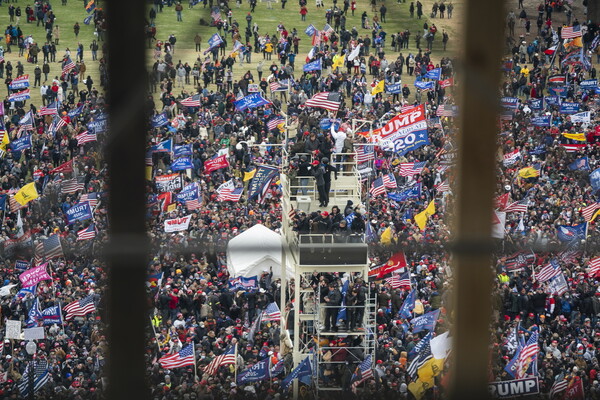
(235, 364)
(194, 352)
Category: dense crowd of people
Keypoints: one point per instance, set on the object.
(204, 155)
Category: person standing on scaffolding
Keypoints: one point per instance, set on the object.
(332, 302)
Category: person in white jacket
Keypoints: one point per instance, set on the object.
(338, 138)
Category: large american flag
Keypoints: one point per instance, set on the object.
(389, 181)
(570, 32)
(271, 313)
(228, 192)
(48, 249)
(192, 101)
(71, 186)
(517, 206)
(226, 358)
(399, 278)
(328, 100)
(85, 137)
(272, 124)
(364, 154)
(363, 372)
(50, 109)
(377, 187)
(180, 359)
(549, 271)
(594, 268)
(80, 308)
(528, 354)
(589, 211)
(413, 168)
(193, 204)
(87, 233)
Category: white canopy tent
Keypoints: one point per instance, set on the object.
(255, 251)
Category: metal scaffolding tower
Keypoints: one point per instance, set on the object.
(307, 254)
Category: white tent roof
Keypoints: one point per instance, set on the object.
(255, 251)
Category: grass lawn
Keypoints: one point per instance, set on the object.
(66, 16)
(398, 19)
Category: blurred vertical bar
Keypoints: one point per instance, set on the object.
(480, 80)
(127, 251)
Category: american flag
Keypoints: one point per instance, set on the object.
(395, 281)
(389, 181)
(594, 267)
(406, 107)
(571, 148)
(277, 86)
(49, 248)
(228, 192)
(216, 15)
(589, 211)
(184, 357)
(570, 32)
(68, 65)
(71, 186)
(41, 376)
(192, 101)
(91, 198)
(445, 110)
(528, 353)
(443, 187)
(377, 187)
(80, 308)
(549, 271)
(328, 100)
(193, 204)
(559, 386)
(363, 372)
(517, 206)
(85, 137)
(364, 154)
(87, 233)
(14, 205)
(56, 124)
(413, 168)
(50, 109)
(227, 358)
(271, 313)
(272, 124)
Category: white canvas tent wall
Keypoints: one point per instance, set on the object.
(254, 251)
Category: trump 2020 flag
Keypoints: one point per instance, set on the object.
(253, 100)
(214, 41)
(22, 143)
(79, 212)
(52, 315)
(425, 322)
(182, 164)
(313, 66)
(260, 183)
(408, 306)
(435, 73)
(303, 369)
(580, 164)
(159, 120)
(256, 373)
(425, 85)
(183, 150)
(310, 30)
(571, 233)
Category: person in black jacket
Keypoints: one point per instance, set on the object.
(327, 178)
(332, 301)
(303, 174)
(318, 172)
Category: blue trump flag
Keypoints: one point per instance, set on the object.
(569, 108)
(421, 345)
(164, 146)
(52, 315)
(159, 120)
(251, 101)
(571, 233)
(35, 315)
(3, 198)
(22, 143)
(543, 120)
(552, 100)
(303, 369)
(310, 30)
(75, 112)
(425, 322)
(260, 183)
(536, 104)
(541, 149)
(184, 150)
(214, 41)
(580, 164)
(79, 212)
(188, 195)
(313, 66)
(435, 73)
(257, 372)
(181, 164)
(589, 84)
(342, 313)
(393, 88)
(408, 305)
(509, 102)
(595, 179)
(559, 91)
(425, 85)
(413, 192)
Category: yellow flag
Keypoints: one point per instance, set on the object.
(386, 236)
(418, 388)
(148, 173)
(595, 215)
(249, 175)
(529, 172)
(338, 62)
(26, 194)
(577, 42)
(432, 368)
(575, 136)
(422, 217)
(5, 141)
(378, 88)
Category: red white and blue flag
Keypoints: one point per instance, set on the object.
(80, 308)
(87, 233)
(271, 313)
(413, 168)
(180, 359)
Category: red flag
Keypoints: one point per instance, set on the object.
(395, 262)
(216, 163)
(64, 168)
(501, 201)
